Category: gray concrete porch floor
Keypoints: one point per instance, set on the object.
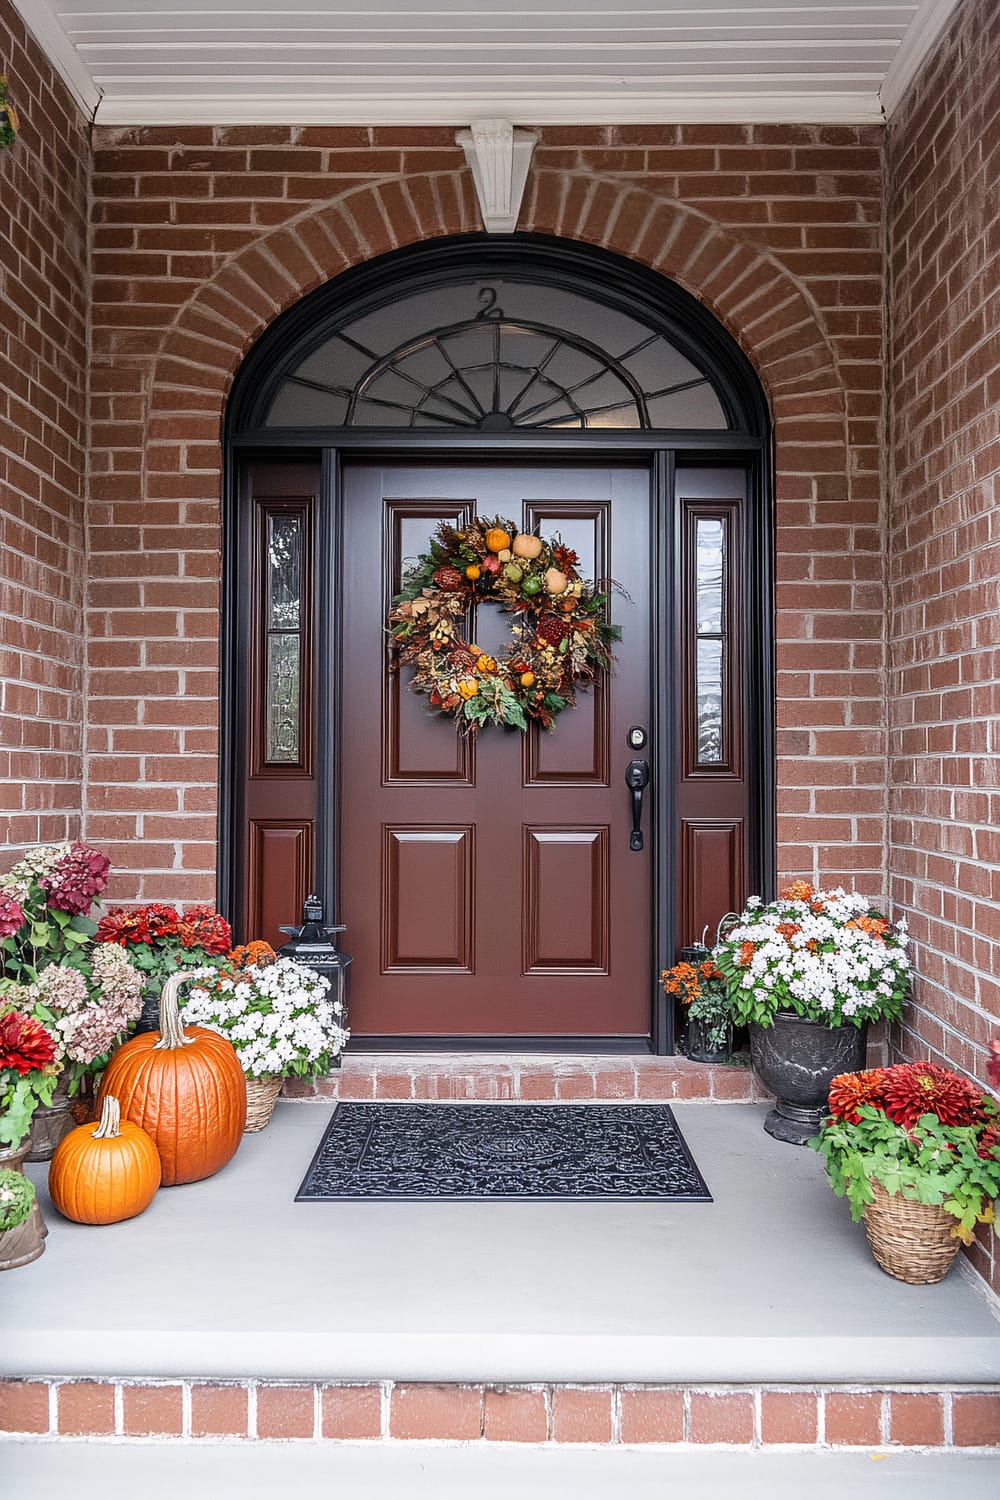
(33, 1471)
(230, 1277)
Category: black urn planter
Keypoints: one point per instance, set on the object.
(796, 1060)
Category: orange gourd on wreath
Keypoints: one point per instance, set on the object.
(103, 1174)
(184, 1086)
(497, 540)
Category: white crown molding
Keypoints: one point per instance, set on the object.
(859, 108)
(921, 34)
(499, 157)
(50, 36)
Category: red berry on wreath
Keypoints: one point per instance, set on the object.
(552, 630)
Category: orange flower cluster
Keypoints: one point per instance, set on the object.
(849, 1091)
(788, 930)
(747, 951)
(683, 980)
(246, 954)
(876, 927)
(799, 890)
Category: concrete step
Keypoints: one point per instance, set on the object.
(34, 1471)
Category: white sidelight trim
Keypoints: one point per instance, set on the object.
(498, 156)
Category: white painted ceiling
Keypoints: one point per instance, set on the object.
(449, 61)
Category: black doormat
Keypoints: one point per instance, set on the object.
(605, 1152)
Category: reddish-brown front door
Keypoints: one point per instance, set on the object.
(488, 888)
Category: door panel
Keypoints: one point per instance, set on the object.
(428, 899)
(489, 889)
(566, 917)
(414, 750)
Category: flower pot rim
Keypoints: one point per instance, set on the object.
(794, 1017)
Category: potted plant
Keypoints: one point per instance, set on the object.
(701, 989)
(277, 1015)
(806, 974)
(160, 941)
(22, 1233)
(85, 997)
(915, 1150)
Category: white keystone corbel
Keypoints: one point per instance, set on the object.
(499, 157)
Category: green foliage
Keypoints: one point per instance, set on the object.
(18, 1103)
(49, 936)
(932, 1163)
(17, 1194)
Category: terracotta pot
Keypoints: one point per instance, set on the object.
(25, 1243)
(797, 1060)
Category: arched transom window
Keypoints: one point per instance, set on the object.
(493, 356)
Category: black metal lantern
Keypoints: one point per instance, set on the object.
(312, 944)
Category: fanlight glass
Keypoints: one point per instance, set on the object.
(494, 357)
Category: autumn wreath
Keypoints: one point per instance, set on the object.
(561, 636)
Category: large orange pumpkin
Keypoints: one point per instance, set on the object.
(105, 1173)
(184, 1086)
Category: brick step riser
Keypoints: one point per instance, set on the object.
(750, 1417)
(649, 1080)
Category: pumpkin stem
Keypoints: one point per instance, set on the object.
(171, 1031)
(110, 1122)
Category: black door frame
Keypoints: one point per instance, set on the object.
(247, 440)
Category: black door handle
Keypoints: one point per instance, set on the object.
(636, 779)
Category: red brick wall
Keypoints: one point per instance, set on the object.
(43, 360)
(943, 211)
(203, 235)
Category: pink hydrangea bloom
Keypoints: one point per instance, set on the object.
(77, 879)
(11, 915)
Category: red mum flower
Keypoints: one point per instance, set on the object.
(25, 1045)
(849, 1091)
(203, 927)
(143, 925)
(989, 1143)
(76, 880)
(11, 915)
(925, 1088)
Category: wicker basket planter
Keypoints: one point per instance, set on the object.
(262, 1096)
(911, 1241)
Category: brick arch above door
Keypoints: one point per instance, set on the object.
(826, 502)
(764, 306)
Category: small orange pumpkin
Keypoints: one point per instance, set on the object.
(104, 1175)
(468, 687)
(497, 540)
(184, 1086)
